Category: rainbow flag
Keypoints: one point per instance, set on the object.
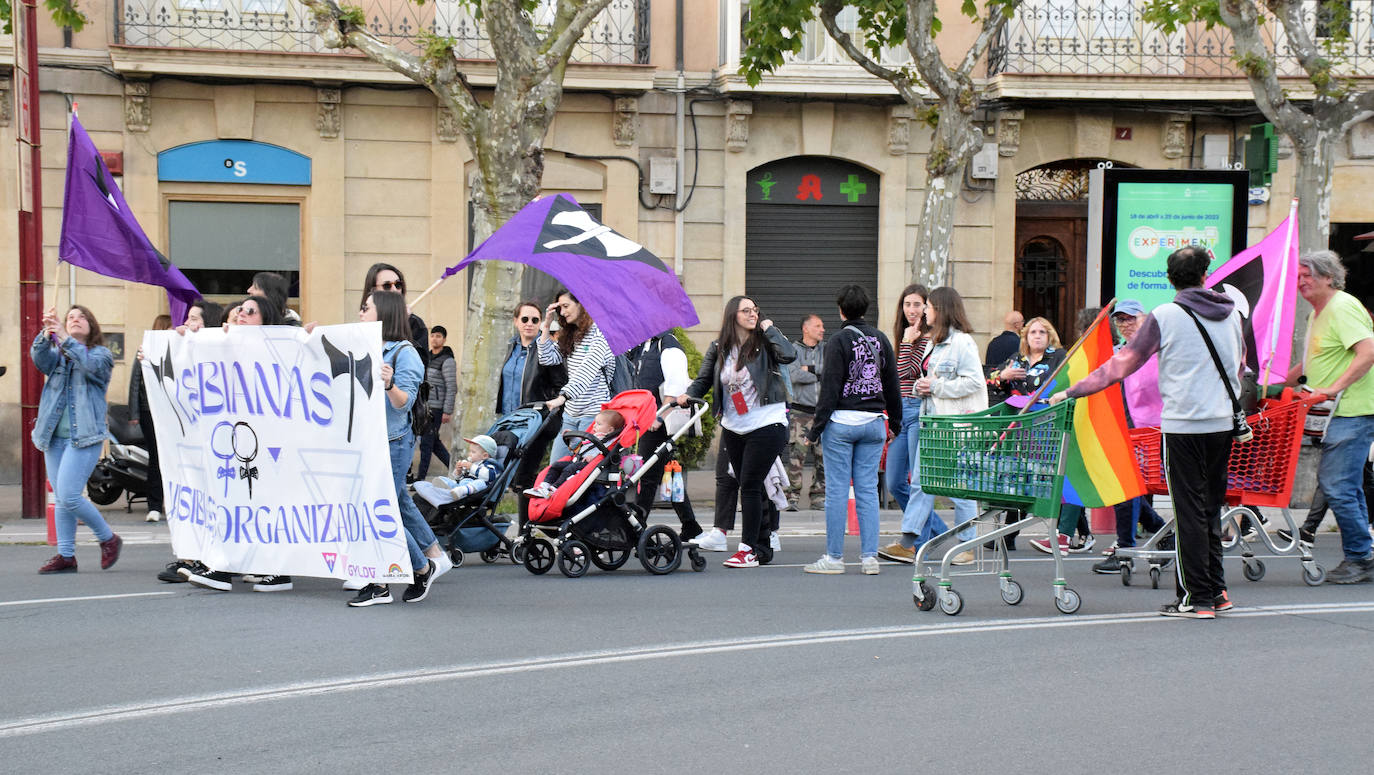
(1101, 468)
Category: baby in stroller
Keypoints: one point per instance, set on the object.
(607, 425)
(471, 477)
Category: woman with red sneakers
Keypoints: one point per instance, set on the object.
(744, 367)
(71, 429)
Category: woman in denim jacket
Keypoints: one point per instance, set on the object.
(952, 383)
(401, 374)
(71, 427)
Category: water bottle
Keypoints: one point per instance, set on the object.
(679, 486)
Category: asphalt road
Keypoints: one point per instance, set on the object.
(766, 670)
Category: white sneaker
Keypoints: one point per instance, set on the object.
(775, 543)
(353, 585)
(870, 566)
(827, 565)
(442, 565)
(153, 516)
(712, 540)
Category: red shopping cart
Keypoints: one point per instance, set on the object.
(1259, 474)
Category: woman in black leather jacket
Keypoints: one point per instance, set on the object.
(743, 371)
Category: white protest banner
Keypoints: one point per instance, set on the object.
(274, 450)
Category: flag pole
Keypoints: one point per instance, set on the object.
(1103, 315)
(1283, 281)
(427, 291)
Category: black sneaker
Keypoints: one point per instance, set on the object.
(689, 530)
(211, 579)
(420, 589)
(272, 584)
(192, 567)
(1177, 608)
(1222, 603)
(1352, 572)
(372, 594)
(1110, 565)
(1304, 535)
(172, 573)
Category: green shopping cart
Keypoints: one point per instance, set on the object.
(1004, 460)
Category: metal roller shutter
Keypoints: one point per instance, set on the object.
(798, 256)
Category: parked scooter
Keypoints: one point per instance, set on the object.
(124, 468)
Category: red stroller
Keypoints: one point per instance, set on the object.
(588, 520)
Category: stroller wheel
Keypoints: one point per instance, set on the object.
(698, 562)
(456, 555)
(517, 552)
(491, 555)
(539, 556)
(660, 550)
(610, 559)
(573, 559)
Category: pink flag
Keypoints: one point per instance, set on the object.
(1263, 280)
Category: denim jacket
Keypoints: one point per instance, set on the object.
(409, 373)
(87, 369)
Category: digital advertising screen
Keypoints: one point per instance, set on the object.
(1148, 214)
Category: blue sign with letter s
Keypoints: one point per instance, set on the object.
(233, 161)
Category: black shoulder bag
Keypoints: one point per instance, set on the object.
(1240, 429)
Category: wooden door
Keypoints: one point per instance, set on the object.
(1051, 261)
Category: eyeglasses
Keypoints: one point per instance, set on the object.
(391, 285)
(1120, 319)
(749, 310)
(527, 319)
(249, 312)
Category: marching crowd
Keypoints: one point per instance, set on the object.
(842, 400)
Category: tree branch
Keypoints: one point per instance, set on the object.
(829, 10)
(920, 42)
(1257, 61)
(992, 27)
(508, 28)
(558, 46)
(1303, 47)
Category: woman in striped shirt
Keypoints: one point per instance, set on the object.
(911, 337)
(581, 347)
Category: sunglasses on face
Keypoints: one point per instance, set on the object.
(248, 312)
(527, 319)
(391, 285)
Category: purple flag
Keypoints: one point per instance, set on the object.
(624, 288)
(100, 233)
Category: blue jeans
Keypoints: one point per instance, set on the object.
(920, 523)
(560, 447)
(851, 455)
(418, 534)
(1340, 472)
(68, 470)
(901, 454)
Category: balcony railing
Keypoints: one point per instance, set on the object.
(1108, 37)
(619, 35)
(818, 48)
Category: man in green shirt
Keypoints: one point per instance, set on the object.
(1340, 351)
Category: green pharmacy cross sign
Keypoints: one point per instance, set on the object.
(812, 180)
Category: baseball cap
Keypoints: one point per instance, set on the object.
(487, 443)
(1128, 307)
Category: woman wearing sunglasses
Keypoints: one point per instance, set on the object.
(525, 380)
(385, 277)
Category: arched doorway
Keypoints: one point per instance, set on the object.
(1052, 241)
(811, 226)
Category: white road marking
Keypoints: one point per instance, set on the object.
(203, 702)
(80, 599)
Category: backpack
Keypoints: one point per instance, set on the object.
(419, 408)
(623, 378)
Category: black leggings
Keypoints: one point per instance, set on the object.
(752, 455)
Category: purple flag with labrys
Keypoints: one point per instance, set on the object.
(100, 233)
(627, 291)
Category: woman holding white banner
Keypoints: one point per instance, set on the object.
(71, 427)
(401, 374)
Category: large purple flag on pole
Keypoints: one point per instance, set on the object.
(628, 292)
(100, 233)
(1264, 279)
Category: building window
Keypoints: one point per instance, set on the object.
(221, 245)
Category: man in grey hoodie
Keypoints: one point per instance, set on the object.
(1196, 419)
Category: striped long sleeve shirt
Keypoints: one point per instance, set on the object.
(590, 366)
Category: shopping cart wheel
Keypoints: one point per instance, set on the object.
(538, 556)
(610, 559)
(660, 550)
(1154, 577)
(698, 562)
(1012, 594)
(926, 601)
(1125, 574)
(1068, 601)
(574, 559)
(1313, 576)
(491, 555)
(950, 602)
(1253, 570)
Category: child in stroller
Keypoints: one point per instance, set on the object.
(587, 520)
(470, 477)
(607, 424)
